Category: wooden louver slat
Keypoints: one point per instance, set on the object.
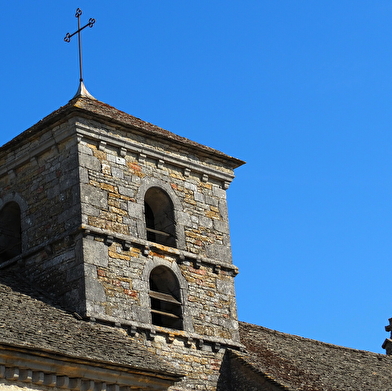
(164, 297)
(155, 231)
(169, 314)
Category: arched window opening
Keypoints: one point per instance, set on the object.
(10, 231)
(159, 215)
(165, 297)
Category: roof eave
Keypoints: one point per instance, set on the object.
(93, 108)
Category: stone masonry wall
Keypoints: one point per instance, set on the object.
(41, 175)
(118, 287)
(114, 179)
(201, 364)
(118, 258)
(116, 170)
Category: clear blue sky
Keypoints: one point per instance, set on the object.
(301, 90)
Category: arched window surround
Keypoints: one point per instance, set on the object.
(165, 298)
(177, 209)
(15, 198)
(152, 264)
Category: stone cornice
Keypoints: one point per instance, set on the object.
(160, 157)
(39, 367)
(181, 255)
(126, 240)
(18, 157)
(189, 339)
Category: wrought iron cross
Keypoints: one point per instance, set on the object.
(68, 36)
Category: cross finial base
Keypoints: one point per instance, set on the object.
(82, 92)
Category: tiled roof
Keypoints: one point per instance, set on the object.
(303, 364)
(28, 319)
(110, 114)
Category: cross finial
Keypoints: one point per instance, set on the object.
(82, 91)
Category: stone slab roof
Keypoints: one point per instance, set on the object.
(29, 320)
(298, 363)
(104, 112)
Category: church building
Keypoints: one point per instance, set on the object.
(116, 270)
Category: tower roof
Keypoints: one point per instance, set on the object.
(85, 105)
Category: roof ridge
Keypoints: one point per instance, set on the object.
(316, 341)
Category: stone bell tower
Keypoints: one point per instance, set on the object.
(126, 224)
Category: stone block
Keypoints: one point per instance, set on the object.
(83, 175)
(117, 172)
(198, 196)
(95, 253)
(95, 292)
(90, 162)
(85, 150)
(90, 195)
(127, 191)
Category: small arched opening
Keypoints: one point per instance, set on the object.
(10, 231)
(159, 215)
(165, 298)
